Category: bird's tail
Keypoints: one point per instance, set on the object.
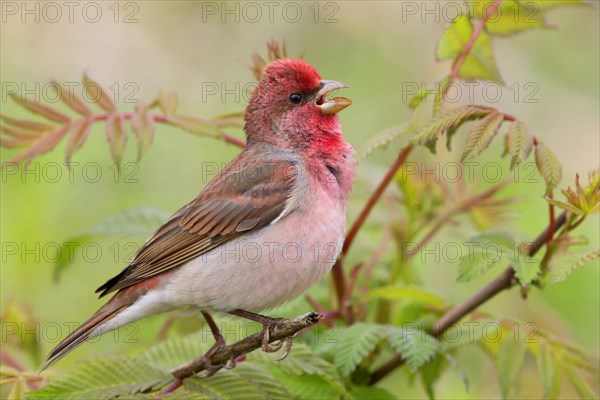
(88, 329)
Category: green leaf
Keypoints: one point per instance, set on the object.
(308, 387)
(480, 62)
(244, 381)
(548, 165)
(447, 121)
(174, 352)
(562, 265)
(356, 342)
(371, 393)
(545, 367)
(415, 346)
(526, 269)
(104, 378)
(485, 251)
(462, 334)
(519, 143)
(419, 98)
(482, 134)
(302, 361)
(138, 221)
(511, 357)
(581, 386)
(512, 16)
(431, 373)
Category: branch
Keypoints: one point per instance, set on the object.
(278, 331)
(504, 281)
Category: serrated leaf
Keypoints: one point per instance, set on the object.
(415, 346)
(42, 145)
(229, 385)
(482, 134)
(509, 363)
(31, 126)
(446, 121)
(25, 135)
(115, 134)
(526, 269)
(356, 342)
(431, 373)
(562, 265)
(545, 366)
(72, 100)
(41, 109)
(138, 221)
(579, 384)
(143, 126)
(485, 251)
(510, 18)
(302, 361)
(566, 206)
(77, 137)
(174, 352)
(548, 165)
(480, 62)
(98, 95)
(197, 126)
(519, 143)
(103, 377)
(419, 98)
(308, 387)
(168, 102)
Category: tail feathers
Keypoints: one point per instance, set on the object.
(83, 332)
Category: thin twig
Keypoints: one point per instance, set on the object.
(504, 281)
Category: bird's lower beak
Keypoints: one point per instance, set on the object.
(334, 105)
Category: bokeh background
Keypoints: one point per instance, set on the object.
(374, 46)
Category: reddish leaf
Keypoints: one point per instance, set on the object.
(13, 143)
(98, 95)
(72, 100)
(43, 145)
(41, 109)
(115, 133)
(27, 125)
(19, 134)
(78, 136)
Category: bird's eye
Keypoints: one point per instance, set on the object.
(296, 98)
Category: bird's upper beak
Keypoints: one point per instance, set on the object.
(334, 105)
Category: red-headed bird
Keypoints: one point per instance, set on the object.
(263, 231)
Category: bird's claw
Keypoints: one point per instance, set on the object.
(288, 347)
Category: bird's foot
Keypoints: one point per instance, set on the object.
(210, 368)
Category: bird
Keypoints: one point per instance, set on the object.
(267, 227)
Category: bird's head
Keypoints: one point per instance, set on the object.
(291, 105)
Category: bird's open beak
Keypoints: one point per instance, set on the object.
(334, 105)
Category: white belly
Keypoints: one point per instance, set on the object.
(264, 269)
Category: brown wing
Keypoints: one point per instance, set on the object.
(237, 201)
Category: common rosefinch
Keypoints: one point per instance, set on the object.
(264, 230)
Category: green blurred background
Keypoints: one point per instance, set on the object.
(376, 47)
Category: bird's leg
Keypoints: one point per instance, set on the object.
(266, 322)
(219, 343)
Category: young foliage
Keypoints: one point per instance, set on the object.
(548, 165)
(480, 62)
(415, 346)
(510, 362)
(355, 344)
(482, 134)
(519, 143)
